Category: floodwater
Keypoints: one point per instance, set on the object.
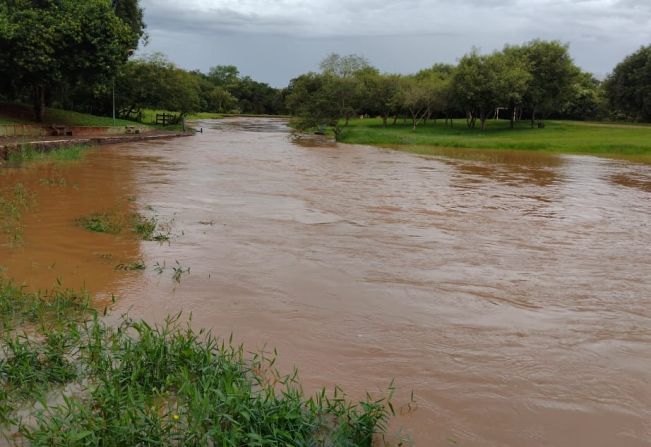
(512, 294)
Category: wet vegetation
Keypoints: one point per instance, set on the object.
(28, 154)
(117, 222)
(13, 203)
(67, 378)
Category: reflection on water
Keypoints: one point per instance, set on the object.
(511, 294)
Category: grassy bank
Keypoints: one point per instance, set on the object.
(613, 140)
(67, 378)
(23, 114)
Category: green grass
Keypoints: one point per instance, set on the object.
(22, 114)
(625, 141)
(137, 384)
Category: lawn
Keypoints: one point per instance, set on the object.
(21, 114)
(615, 140)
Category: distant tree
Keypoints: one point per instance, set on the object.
(343, 66)
(438, 82)
(309, 99)
(46, 43)
(343, 82)
(224, 75)
(413, 97)
(628, 88)
(553, 74)
(379, 94)
(483, 83)
(154, 82)
(219, 100)
(587, 99)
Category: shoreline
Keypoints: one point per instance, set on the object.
(13, 145)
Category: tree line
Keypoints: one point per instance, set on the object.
(535, 80)
(77, 55)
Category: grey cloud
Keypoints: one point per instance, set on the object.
(274, 41)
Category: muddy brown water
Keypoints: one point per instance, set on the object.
(512, 296)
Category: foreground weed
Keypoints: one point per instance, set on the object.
(138, 384)
(179, 271)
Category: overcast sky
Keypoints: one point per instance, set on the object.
(276, 40)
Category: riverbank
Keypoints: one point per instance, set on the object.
(68, 378)
(629, 142)
(9, 146)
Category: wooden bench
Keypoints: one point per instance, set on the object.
(131, 130)
(61, 130)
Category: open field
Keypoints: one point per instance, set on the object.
(612, 140)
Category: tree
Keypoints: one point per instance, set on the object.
(132, 14)
(483, 83)
(628, 88)
(309, 99)
(552, 75)
(343, 81)
(413, 97)
(224, 75)
(343, 66)
(154, 82)
(586, 100)
(46, 43)
(438, 83)
(379, 94)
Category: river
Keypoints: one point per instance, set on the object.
(512, 296)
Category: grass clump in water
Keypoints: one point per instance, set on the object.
(138, 384)
(13, 203)
(27, 154)
(111, 223)
(116, 222)
(131, 266)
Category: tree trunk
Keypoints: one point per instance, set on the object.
(482, 120)
(395, 119)
(384, 120)
(513, 117)
(347, 118)
(533, 117)
(39, 103)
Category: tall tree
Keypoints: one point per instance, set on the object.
(628, 88)
(483, 83)
(552, 75)
(46, 43)
(132, 14)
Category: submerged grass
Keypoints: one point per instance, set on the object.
(27, 154)
(630, 142)
(13, 203)
(116, 222)
(138, 384)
